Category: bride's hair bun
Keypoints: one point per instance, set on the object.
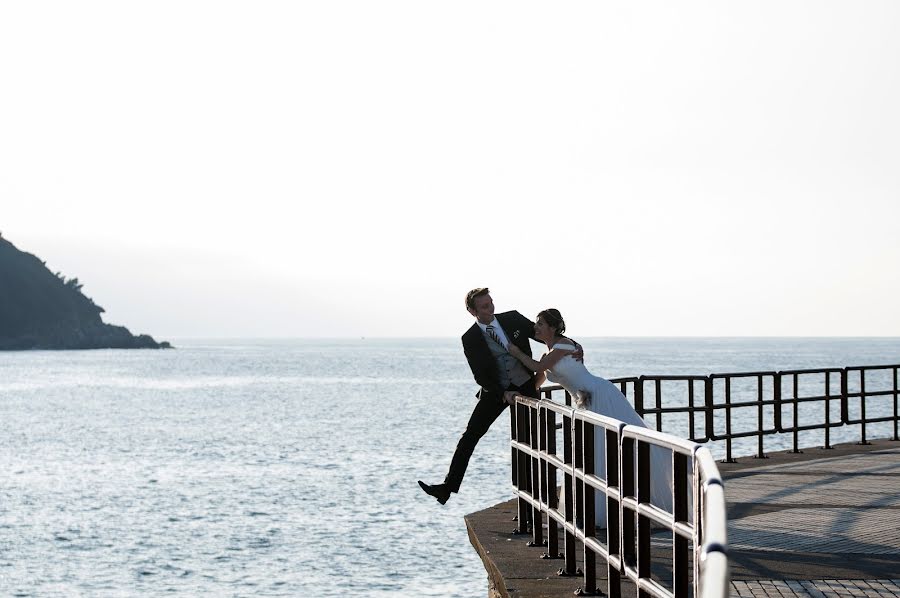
(552, 317)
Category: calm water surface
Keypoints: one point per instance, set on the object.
(279, 468)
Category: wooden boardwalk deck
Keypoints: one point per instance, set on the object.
(819, 523)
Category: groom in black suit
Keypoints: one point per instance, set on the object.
(499, 374)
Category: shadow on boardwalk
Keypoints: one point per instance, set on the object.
(820, 514)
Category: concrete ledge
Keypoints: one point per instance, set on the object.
(513, 568)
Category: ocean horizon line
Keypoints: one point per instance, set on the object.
(588, 336)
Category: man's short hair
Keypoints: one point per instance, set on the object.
(471, 295)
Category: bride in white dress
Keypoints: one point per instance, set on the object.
(598, 395)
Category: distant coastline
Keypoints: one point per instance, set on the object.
(40, 309)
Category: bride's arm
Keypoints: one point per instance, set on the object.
(548, 360)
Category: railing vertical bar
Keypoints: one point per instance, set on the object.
(895, 404)
(691, 416)
(590, 524)
(542, 447)
(537, 527)
(827, 410)
(778, 405)
(710, 408)
(659, 405)
(579, 464)
(613, 513)
(514, 453)
(796, 412)
(629, 552)
(589, 492)
(639, 396)
(845, 391)
(680, 548)
(521, 426)
(862, 404)
(698, 511)
(568, 488)
(643, 527)
(760, 453)
(552, 499)
(728, 457)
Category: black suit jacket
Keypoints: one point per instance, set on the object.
(518, 330)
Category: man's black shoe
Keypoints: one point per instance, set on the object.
(439, 491)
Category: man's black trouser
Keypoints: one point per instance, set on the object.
(485, 413)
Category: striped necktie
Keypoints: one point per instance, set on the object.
(493, 334)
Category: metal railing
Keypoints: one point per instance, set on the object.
(698, 538)
(779, 399)
(696, 559)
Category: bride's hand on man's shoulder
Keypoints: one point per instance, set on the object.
(578, 353)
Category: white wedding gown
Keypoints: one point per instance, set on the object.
(606, 399)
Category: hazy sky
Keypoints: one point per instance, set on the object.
(353, 168)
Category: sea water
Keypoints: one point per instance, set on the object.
(283, 467)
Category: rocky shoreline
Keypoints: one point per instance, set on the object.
(43, 310)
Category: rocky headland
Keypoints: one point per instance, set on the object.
(40, 309)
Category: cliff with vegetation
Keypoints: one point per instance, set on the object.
(43, 310)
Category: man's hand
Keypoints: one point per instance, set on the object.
(510, 397)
